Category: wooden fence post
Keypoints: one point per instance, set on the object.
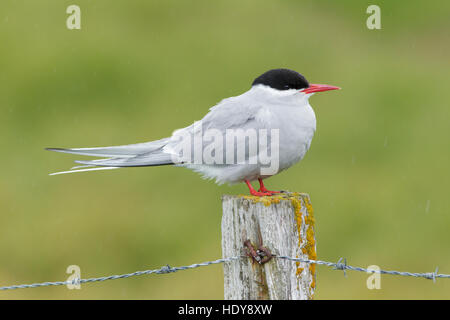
(282, 223)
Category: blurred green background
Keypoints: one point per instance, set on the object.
(377, 171)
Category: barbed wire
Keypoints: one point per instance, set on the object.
(163, 270)
(340, 265)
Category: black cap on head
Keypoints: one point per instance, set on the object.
(282, 79)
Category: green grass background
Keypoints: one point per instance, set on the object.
(377, 171)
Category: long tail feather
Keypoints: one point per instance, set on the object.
(83, 170)
(145, 160)
(125, 151)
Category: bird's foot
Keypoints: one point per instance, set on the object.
(253, 192)
(263, 189)
(260, 194)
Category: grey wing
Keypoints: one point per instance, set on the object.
(236, 113)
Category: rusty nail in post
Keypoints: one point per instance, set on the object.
(262, 255)
(251, 251)
(265, 253)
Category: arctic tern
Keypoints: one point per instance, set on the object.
(274, 117)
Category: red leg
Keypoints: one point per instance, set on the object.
(253, 192)
(262, 188)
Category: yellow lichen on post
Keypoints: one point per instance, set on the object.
(310, 246)
(297, 204)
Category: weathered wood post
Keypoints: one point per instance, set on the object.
(282, 223)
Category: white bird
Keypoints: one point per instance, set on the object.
(233, 141)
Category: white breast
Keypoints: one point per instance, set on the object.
(297, 125)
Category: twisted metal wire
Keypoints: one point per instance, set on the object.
(162, 270)
(340, 265)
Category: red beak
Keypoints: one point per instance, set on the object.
(318, 88)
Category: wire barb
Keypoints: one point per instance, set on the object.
(165, 269)
(432, 275)
(341, 266)
(75, 282)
